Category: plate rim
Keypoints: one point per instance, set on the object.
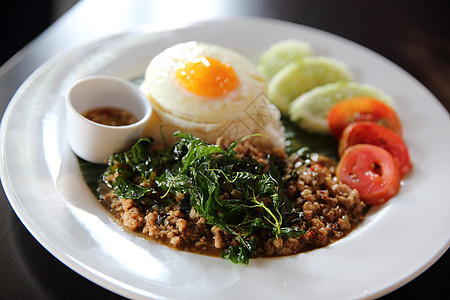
(78, 266)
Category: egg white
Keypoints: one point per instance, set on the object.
(208, 118)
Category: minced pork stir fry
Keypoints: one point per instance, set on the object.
(233, 200)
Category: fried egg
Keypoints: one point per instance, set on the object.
(210, 91)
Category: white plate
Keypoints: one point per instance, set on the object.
(41, 178)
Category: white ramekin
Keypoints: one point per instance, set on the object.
(95, 142)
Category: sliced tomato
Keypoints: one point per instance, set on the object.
(370, 170)
(378, 135)
(362, 109)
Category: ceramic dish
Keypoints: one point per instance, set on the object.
(43, 183)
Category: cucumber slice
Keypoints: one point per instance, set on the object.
(310, 110)
(281, 54)
(303, 75)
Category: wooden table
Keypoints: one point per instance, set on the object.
(413, 34)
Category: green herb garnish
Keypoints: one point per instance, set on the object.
(210, 176)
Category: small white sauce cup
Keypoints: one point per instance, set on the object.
(95, 142)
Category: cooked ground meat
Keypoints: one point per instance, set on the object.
(328, 211)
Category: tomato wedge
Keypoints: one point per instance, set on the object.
(362, 109)
(378, 135)
(371, 170)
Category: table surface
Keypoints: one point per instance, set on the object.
(412, 34)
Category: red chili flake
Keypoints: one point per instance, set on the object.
(316, 167)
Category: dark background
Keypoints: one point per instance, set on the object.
(413, 34)
(22, 21)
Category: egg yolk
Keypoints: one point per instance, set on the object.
(206, 76)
